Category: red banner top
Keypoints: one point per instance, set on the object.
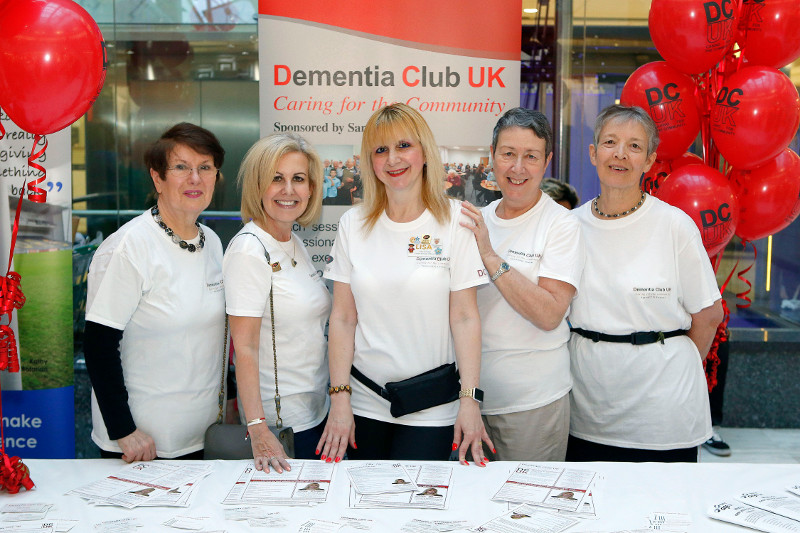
(466, 27)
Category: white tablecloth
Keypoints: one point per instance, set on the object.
(625, 495)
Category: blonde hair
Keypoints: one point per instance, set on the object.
(384, 127)
(258, 170)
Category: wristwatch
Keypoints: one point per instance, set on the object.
(500, 271)
(474, 393)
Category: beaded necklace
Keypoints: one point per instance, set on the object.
(617, 215)
(175, 238)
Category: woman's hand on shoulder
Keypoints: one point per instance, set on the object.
(138, 446)
(267, 450)
(478, 227)
(470, 434)
(340, 430)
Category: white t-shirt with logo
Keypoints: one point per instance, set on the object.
(170, 304)
(645, 272)
(401, 276)
(301, 304)
(522, 366)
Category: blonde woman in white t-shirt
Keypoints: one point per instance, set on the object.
(405, 276)
(282, 185)
(646, 314)
(533, 249)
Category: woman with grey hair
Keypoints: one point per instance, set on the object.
(646, 314)
(533, 250)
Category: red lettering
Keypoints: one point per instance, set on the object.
(286, 70)
(405, 76)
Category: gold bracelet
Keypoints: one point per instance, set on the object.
(340, 388)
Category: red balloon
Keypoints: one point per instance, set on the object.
(769, 196)
(692, 35)
(668, 97)
(660, 171)
(768, 32)
(52, 63)
(755, 116)
(704, 194)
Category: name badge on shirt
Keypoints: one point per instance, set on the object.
(524, 257)
(425, 245)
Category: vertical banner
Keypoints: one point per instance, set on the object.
(38, 402)
(325, 68)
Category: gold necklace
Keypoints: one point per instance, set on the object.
(294, 250)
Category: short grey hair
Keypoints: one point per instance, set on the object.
(519, 117)
(623, 113)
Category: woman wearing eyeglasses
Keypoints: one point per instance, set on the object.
(533, 251)
(155, 311)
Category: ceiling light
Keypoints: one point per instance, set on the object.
(530, 10)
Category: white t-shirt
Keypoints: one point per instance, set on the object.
(645, 272)
(301, 304)
(401, 276)
(522, 366)
(170, 304)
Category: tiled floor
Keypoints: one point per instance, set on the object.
(758, 446)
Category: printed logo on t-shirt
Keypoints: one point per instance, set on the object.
(524, 257)
(424, 246)
(652, 293)
(216, 286)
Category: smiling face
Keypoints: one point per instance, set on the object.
(621, 154)
(286, 198)
(182, 195)
(398, 163)
(520, 162)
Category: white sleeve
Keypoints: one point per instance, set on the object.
(695, 276)
(466, 266)
(564, 253)
(247, 279)
(340, 266)
(115, 287)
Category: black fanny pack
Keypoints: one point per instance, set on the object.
(637, 339)
(429, 389)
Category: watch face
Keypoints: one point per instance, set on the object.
(478, 395)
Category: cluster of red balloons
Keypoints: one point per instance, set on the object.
(52, 63)
(751, 118)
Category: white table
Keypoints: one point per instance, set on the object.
(626, 495)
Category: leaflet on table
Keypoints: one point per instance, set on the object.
(433, 490)
(248, 512)
(122, 525)
(527, 519)
(28, 528)
(748, 516)
(668, 521)
(774, 502)
(587, 509)
(357, 522)
(441, 526)
(56, 525)
(381, 478)
(794, 488)
(142, 482)
(546, 486)
(306, 483)
(319, 526)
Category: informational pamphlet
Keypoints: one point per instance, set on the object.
(381, 478)
(527, 519)
(547, 486)
(440, 526)
(306, 483)
(748, 516)
(433, 490)
(783, 504)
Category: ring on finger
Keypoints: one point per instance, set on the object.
(272, 458)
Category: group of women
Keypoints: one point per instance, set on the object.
(448, 330)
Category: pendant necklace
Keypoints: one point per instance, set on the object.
(617, 215)
(294, 250)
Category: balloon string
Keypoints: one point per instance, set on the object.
(37, 194)
(2, 128)
(11, 297)
(712, 361)
(744, 294)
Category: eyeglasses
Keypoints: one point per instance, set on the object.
(184, 171)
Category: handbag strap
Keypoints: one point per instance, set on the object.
(221, 398)
(279, 420)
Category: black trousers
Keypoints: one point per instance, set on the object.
(383, 440)
(579, 450)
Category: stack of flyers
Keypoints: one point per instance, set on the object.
(674, 522)
(550, 487)
(786, 505)
(407, 486)
(157, 483)
(307, 483)
(752, 517)
(58, 525)
(18, 512)
(256, 516)
(527, 519)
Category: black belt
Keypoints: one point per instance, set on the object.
(638, 338)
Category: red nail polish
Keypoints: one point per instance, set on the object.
(337, 460)
(483, 464)
(354, 446)
(323, 457)
(466, 462)
(494, 451)
(316, 452)
(455, 446)
(328, 460)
